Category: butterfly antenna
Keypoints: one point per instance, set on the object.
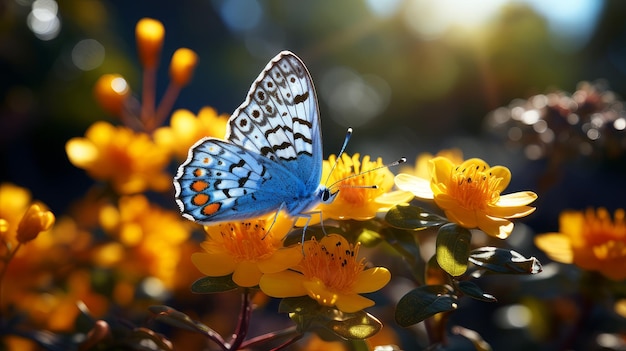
(392, 164)
(343, 148)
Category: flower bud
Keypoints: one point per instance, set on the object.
(111, 91)
(149, 34)
(184, 62)
(35, 221)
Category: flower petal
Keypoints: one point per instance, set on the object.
(498, 227)
(516, 199)
(283, 284)
(466, 218)
(247, 274)
(371, 280)
(503, 173)
(441, 170)
(353, 303)
(320, 293)
(215, 264)
(281, 260)
(557, 246)
(418, 186)
(510, 212)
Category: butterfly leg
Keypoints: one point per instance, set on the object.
(275, 218)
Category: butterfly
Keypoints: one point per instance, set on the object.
(271, 158)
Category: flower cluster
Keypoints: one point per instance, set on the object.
(591, 240)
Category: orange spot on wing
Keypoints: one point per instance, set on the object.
(206, 160)
(200, 199)
(198, 172)
(199, 185)
(211, 209)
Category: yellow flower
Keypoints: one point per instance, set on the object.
(329, 273)
(149, 240)
(469, 194)
(355, 178)
(186, 129)
(422, 162)
(590, 240)
(111, 91)
(183, 63)
(149, 34)
(35, 221)
(129, 160)
(247, 250)
(14, 201)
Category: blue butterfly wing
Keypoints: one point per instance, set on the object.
(222, 181)
(272, 155)
(280, 119)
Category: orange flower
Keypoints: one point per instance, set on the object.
(14, 202)
(149, 240)
(35, 221)
(247, 250)
(422, 162)
(183, 63)
(470, 194)
(129, 160)
(590, 240)
(149, 34)
(329, 273)
(111, 92)
(355, 178)
(186, 129)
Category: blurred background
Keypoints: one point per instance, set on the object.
(502, 80)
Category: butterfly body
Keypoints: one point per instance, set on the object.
(271, 158)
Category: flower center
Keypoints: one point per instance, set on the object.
(336, 266)
(607, 237)
(474, 188)
(357, 190)
(247, 241)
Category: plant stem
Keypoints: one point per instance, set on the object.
(7, 260)
(243, 322)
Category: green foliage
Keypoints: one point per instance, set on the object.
(311, 316)
(504, 261)
(208, 285)
(472, 290)
(424, 302)
(453, 249)
(412, 218)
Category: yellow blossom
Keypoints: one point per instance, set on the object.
(148, 243)
(329, 273)
(34, 221)
(590, 240)
(131, 161)
(111, 92)
(422, 162)
(185, 129)
(149, 34)
(247, 250)
(470, 194)
(14, 201)
(183, 63)
(356, 179)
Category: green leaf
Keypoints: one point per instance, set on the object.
(208, 285)
(404, 243)
(412, 218)
(424, 302)
(178, 319)
(453, 249)
(310, 316)
(504, 261)
(472, 290)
